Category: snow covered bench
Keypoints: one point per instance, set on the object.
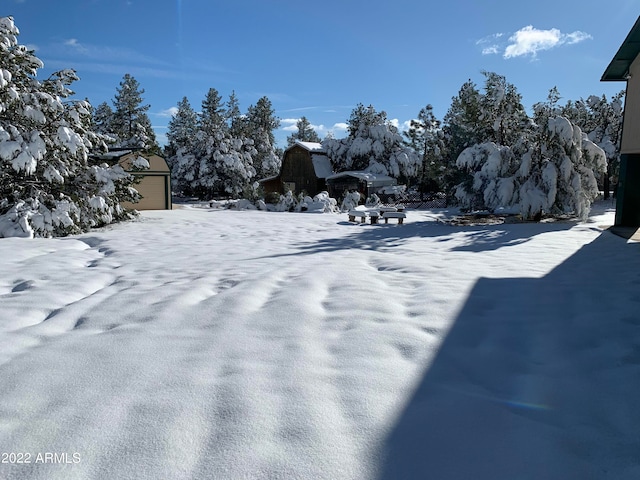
(384, 210)
(399, 215)
(362, 214)
(374, 215)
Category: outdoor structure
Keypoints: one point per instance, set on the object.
(357, 181)
(155, 181)
(305, 166)
(625, 66)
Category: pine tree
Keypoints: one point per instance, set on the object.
(491, 164)
(103, 120)
(462, 127)
(557, 173)
(212, 119)
(217, 163)
(181, 136)
(548, 169)
(502, 112)
(363, 118)
(47, 185)
(373, 145)
(462, 123)
(130, 122)
(261, 121)
(601, 120)
(235, 120)
(305, 133)
(606, 132)
(426, 138)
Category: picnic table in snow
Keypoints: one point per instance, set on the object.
(374, 214)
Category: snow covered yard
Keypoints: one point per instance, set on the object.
(222, 344)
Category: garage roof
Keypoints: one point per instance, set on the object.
(618, 69)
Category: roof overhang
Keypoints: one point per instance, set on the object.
(618, 69)
(372, 179)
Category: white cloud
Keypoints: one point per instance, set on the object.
(169, 112)
(489, 44)
(290, 124)
(493, 49)
(403, 127)
(528, 41)
(76, 45)
(577, 37)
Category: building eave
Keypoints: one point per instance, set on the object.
(618, 69)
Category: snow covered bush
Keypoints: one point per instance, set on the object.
(287, 203)
(244, 204)
(47, 185)
(351, 200)
(321, 203)
(372, 201)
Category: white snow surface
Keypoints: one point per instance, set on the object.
(223, 344)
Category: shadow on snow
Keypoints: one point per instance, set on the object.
(537, 378)
(386, 236)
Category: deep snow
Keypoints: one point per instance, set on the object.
(201, 343)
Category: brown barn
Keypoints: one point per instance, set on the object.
(625, 67)
(305, 167)
(155, 182)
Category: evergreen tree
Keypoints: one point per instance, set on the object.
(47, 185)
(103, 120)
(305, 133)
(557, 173)
(235, 120)
(462, 127)
(550, 168)
(182, 128)
(426, 137)
(601, 120)
(363, 118)
(130, 122)
(217, 163)
(504, 129)
(502, 113)
(212, 119)
(373, 145)
(181, 136)
(260, 124)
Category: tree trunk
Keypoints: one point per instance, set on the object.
(606, 184)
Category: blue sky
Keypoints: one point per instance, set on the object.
(320, 59)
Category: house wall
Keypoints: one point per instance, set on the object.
(297, 170)
(272, 185)
(628, 194)
(153, 190)
(154, 186)
(631, 126)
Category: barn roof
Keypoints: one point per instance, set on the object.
(372, 178)
(310, 146)
(618, 69)
(321, 165)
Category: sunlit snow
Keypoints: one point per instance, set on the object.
(208, 343)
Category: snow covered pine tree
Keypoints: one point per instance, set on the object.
(373, 145)
(47, 186)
